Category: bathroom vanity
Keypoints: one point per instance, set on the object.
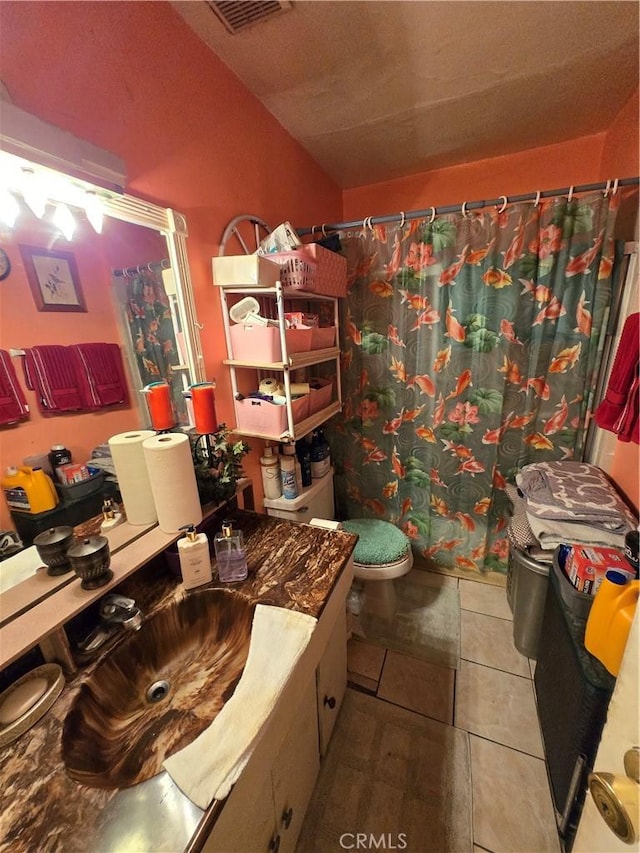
(298, 567)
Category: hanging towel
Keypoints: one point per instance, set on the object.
(207, 769)
(618, 412)
(101, 373)
(13, 405)
(52, 374)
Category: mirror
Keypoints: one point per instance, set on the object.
(138, 258)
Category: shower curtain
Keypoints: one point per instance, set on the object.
(471, 345)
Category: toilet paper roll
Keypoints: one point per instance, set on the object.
(173, 480)
(271, 385)
(133, 478)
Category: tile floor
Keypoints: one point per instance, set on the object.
(491, 698)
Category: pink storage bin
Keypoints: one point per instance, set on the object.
(331, 271)
(320, 396)
(266, 418)
(261, 344)
(323, 338)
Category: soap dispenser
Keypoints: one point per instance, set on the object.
(111, 515)
(195, 562)
(230, 554)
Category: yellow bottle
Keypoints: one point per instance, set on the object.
(610, 619)
(29, 490)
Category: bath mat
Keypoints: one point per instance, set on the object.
(426, 622)
(393, 773)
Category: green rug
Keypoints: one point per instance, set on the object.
(401, 780)
(426, 623)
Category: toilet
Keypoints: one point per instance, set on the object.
(383, 553)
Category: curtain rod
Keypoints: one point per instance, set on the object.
(608, 186)
(152, 266)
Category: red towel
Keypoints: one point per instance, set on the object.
(52, 374)
(101, 374)
(13, 405)
(618, 412)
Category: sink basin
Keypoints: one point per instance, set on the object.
(157, 690)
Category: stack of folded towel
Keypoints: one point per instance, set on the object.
(573, 502)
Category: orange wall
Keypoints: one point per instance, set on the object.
(134, 79)
(560, 165)
(620, 158)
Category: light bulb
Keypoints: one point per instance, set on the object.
(94, 210)
(9, 208)
(33, 192)
(63, 218)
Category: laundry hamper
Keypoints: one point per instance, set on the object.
(527, 583)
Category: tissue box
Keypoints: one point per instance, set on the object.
(587, 565)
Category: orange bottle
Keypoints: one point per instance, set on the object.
(610, 619)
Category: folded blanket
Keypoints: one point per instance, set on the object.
(576, 492)
(207, 769)
(550, 533)
(13, 405)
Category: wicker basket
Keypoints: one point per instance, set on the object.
(297, 270)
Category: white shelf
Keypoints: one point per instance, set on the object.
(296, 359)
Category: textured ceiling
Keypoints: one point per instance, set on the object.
(379, 90)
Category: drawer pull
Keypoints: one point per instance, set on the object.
(286, 817)
(330, 701)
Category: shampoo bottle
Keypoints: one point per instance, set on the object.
(230, 554)
(270, 468)
(195, 563)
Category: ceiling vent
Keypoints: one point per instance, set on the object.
(237, 15)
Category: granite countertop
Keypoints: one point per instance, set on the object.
(290, 565)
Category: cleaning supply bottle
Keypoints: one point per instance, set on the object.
(610, 619)
(230, 554)
(303, 452)
(195, 563)
(270, 469)
(29, 490)
(320, 455)
(290, 450)
(288, 477)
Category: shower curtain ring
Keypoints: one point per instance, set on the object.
(570, 196)
(149, 267)
(324, 233)
(403, 220)
(432, 218)
(463, 209)
(537, 201)
(607, 188)
(615, 186)
(503, 206)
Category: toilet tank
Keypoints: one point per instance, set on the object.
(316, 501)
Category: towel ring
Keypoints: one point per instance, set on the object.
(607, 188)
(503, 206)
(463, 209)
(537, 201)
(432, 218)
(403, 220)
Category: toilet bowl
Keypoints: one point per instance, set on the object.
(382, 554)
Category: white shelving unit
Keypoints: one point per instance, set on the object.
(290, 362)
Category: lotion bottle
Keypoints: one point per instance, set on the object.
(195, 563)
(230, 554)
(270, 467)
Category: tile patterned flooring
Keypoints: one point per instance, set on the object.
(491, 698)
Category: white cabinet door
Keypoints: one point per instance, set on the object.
(332, 679)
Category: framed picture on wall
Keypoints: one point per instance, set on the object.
(53, 278)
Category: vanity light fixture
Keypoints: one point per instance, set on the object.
(9, 208)
(64, 220)
(94, 210)
(33, 191)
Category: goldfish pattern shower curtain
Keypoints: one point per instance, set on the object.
(471, 346)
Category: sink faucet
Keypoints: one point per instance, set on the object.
(118, 610)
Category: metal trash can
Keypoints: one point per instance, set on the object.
(527, 583)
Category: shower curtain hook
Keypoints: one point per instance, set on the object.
(615, 186)
(149, 267)
(313, 232)
(432, 218)
(503, 206)
(324, 233)
(537, 201)
(607, 188)
(403, 220)
(570, 196)
(463, 209)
